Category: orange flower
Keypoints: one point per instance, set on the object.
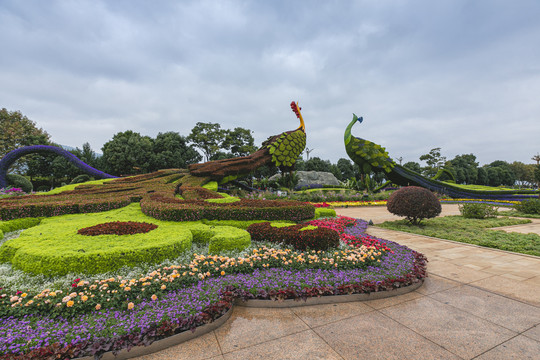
(70, 303)
(98, 306)
(222, 273)
(154, 297)
(130, 306)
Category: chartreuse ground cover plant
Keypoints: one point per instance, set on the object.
(474, 231)
(69, 317)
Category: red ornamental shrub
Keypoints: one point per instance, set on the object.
(415, 203)
(118, 228)
(314, 239)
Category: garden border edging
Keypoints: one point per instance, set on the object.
(256, 303)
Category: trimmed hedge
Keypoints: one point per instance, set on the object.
(162, 206)
(324, 212)
(18, 224)
(301, 237)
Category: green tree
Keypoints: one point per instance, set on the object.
(171, 151)
(505, 174)
(466, 168)
(239, 141)
(208, 137)
(482, 178)
(317, 164)
(346, 169)
(413, 166)
(15, 131)
(128, 153)
(434, 161)
(524, 173)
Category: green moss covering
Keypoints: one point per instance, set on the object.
(69, 187)
(55, 248)
(211, 185)
(224, 200)
(324, 212)
(280, 225)
(241, 224)
(309, 227)
(18, 224)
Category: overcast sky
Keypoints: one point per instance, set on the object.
(460, 75)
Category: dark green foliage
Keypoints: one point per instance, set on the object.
(477, 211)
(172, 152)
(313, 239)
(415, 203)
(18, 181)
(80, 179)
(531, 206)
(413, 166)
(128, 153)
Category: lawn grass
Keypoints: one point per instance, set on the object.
(473, 231)
(516, 213)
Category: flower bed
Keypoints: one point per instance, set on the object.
(112, 314)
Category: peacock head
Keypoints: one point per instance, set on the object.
(296, 109)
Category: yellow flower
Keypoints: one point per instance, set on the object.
(163, 287)
(52, 293)
(84, 298)
(127, 288)
(70, 303)
(130, 306)
(222, 273)
(154, 297)
(23, 295)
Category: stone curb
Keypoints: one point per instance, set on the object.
(201, 330)
(256, 303)
(165, 343)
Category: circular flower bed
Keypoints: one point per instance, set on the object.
(118, 228)
(91, 318)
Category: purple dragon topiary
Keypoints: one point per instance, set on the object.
(14, 155)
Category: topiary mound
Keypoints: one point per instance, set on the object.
(301, 237)
(19, 181)
(415, 203)
(117, 228)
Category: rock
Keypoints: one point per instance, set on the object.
(307, 178)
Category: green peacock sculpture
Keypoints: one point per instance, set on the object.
(371, 157)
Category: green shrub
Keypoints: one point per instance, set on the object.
(324, 212)
(477, 211)
(80, 179)
(415, 203)
(530, 206)
(19, 181)
(18, 224)
(43, 188)
(299, 236)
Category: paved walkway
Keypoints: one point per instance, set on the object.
(477, 303)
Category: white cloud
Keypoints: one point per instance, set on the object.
(453, 74)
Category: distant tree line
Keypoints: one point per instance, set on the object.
(129, 153)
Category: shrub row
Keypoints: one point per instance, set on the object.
(163, 207)
(299, 236)
(531, 206)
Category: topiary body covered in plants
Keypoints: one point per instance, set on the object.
(415, 203)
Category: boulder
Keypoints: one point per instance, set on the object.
(307, 178)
